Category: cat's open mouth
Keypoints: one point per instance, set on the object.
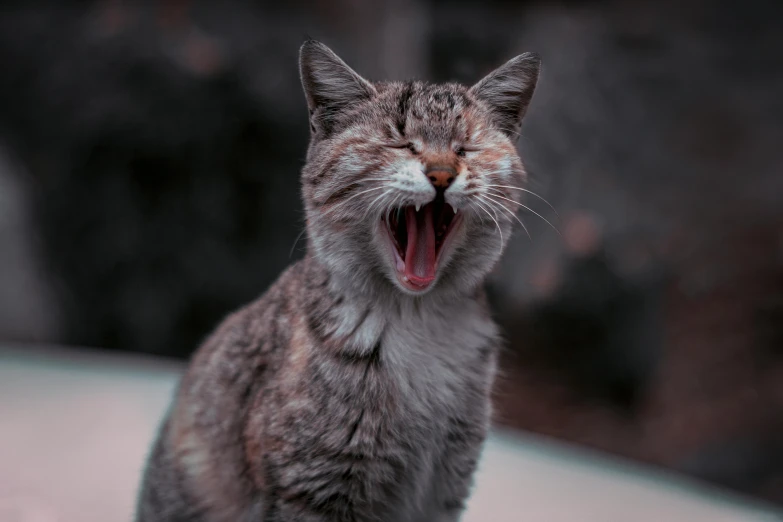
(419, 237)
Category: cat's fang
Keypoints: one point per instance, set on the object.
(418, 235)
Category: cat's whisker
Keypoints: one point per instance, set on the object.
(371, 189)
(298, 237)
(492, 208)
(493, 219)
(497, 224)
(398, 206)
(372, 204)
(485, 199)
(395, 206)
(481, 217)
(340, 204)
(389, 211)
(384, 206)
(529, 192)
(528, 208)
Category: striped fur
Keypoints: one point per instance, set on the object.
(339, 395)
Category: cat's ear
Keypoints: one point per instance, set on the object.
(329, 84)
(508, 89)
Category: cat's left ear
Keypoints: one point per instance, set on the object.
(329, 84)
(507, 91)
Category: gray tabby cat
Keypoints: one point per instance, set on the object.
(358, 387)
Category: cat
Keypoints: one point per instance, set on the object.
(357, 388)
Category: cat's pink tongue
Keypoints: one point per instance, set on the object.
(420, 255)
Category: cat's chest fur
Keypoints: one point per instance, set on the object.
(425, 371)
(421, 358)
(433, 357)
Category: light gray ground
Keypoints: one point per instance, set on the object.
(75, 428)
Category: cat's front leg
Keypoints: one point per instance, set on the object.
(302, 510)
(304, 492)
(459, 460)
(455, 488)
(285, 512)
(450, 516)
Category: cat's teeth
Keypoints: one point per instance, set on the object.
(418, 206)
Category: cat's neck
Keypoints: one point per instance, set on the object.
(381, 294)
(343, 316)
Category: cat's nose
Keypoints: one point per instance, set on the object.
(441, 176)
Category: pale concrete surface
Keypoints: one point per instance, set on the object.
(75, 428)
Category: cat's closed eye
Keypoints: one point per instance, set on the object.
(405, 145)
(463, 150)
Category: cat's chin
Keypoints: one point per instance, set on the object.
(417, 241)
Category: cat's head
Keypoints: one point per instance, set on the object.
(409, 185)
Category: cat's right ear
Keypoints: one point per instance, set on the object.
(329, 85)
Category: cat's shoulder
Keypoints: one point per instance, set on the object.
(256, 330)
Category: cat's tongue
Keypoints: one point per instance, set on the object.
(420, 255)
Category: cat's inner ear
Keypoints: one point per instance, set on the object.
(329, 84)
(507, 91)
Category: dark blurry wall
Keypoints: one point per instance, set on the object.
(149, 158)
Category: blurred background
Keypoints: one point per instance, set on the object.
(149, 163)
